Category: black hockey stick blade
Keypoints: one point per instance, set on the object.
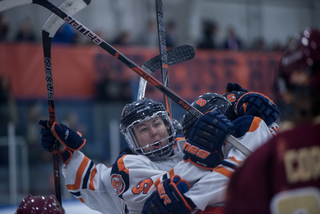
(175, 55)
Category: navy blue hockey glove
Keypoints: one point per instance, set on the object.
(256, 104)
(169, 198)
(234, 87)
(69, 140)
(203, 147)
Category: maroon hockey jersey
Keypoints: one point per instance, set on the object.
(281, 176)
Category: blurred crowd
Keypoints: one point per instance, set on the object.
(149, 37)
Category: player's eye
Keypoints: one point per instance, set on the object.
(144, 129)
(157, 124)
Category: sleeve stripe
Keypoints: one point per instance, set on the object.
(120, 164)
(179, 138)
(76, 194)
(92, 174)
(223, 171)
(255, 124)
(157, 182)
(235, 160)
(228, 164)
(79, 174)
(171, 173)
(86, 177)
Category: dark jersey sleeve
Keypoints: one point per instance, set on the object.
(279, 174)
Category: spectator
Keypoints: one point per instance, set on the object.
(124, 38)
(8, 112)
(276, 46)
(25, 32)
(259, 45)
(232, 41)
(4, 27)
(8, 108)
(72, 121)
(171, 34)
(34, 114)
(109, 88)
(65, 35)
(210, 29)
(149, 37)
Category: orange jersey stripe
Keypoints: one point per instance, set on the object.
(92, 174)
(235, 160)
(223, 171)
(120, 164)
(79, 174)
(171, 173)
(157, 182)
(255, 124)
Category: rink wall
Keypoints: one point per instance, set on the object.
(76, 70)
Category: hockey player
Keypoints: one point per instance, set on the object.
(40, 205)
(208, 193)
(135, 177)
(283, 176)
(86, 181)
(150, 134)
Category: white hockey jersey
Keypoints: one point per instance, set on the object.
(133, 178)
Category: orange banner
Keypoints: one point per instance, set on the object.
(76, 69)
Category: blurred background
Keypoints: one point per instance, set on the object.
(235, 40)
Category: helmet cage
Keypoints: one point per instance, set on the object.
(154, 154)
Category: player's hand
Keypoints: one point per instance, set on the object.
(169, 198)
(256, 104)
(69, 140)
(234, 87)
(204, 145)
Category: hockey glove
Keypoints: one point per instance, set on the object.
(259, 105)
(234, 87)
(203, 147)
(69, 140)
(169, 198)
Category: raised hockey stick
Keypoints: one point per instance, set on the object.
(163, 52)
(49, 29)
(134, 67)
(175, 55)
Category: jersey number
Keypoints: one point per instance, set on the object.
(304, 200)
(143, 187)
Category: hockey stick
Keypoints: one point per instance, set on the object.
(49, 29)
(130, 64)
(163, 52)
(175, 55)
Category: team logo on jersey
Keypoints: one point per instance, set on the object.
(117, 183)
(231, 97)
